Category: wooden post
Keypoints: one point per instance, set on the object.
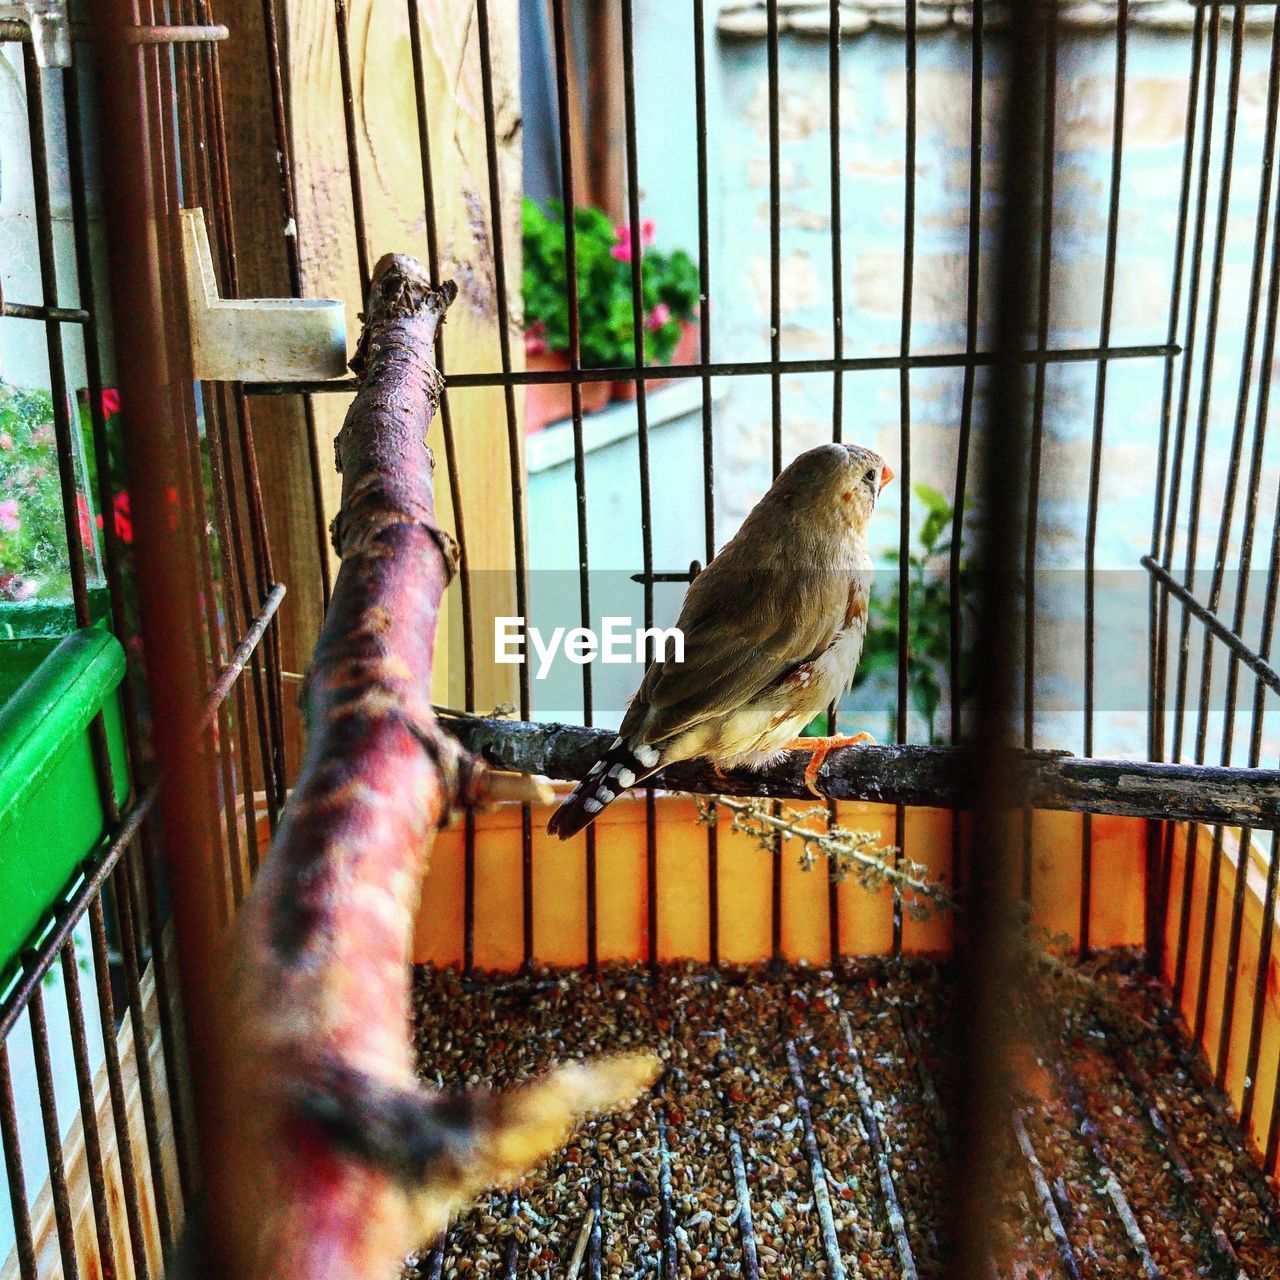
(389, 158)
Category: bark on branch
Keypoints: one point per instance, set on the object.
(337, 1162)
(910, 774)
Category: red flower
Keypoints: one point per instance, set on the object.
(110, 401)
(123, 517)
(86, 525)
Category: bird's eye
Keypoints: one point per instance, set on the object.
(870, 478)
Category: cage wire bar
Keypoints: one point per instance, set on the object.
(839, 364)
(122, 885)
(120, 893)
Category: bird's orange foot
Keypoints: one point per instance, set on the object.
(819, 749)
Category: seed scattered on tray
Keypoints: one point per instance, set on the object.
(654, 1193)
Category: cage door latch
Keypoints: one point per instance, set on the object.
(256, 339)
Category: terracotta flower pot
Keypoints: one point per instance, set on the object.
(547, 402)
(686, 352)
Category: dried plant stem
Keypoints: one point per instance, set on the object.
(847, 851)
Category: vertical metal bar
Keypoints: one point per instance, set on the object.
(143, 291)
(1197, 487)
(1272, 601)
(1095, 457)
(13, 1171)
(1250, 519)
(775, 376)
(988, 951)
(1159, 860)
(973, 261)
(837, 377)
(115, 1084)
(1176, 466)
(955, 614)
(88, 1109)
(567, 178)
(513, 434)
(708, 438)
(63, 1223)
(353, 150)
(34, 82)
(1044, 297)
(446, 416)
(289, 220)
(451, 464)
(642, 420)
(904, 448)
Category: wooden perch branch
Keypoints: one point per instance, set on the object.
(337, 1162)
(912, 775)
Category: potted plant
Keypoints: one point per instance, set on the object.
(670, 290)
(605, 316)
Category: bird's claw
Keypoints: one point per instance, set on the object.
(819, 749)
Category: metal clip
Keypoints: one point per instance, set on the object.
(50, 29)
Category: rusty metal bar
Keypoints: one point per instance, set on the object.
(212, 33)
(817, 1172)
(746, 1228)
(1115, 1192)
(1045, 1195)
(746, 368)
(884, 1171)
(1238, 646)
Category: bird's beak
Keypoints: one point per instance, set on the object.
(885, 476)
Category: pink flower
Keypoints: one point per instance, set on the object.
(6, 441)
(626, 244)
(535, 342)
(658, 317)
(13, 586)
(110, 401)
(9, 520)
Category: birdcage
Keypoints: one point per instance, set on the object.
(1026, 252)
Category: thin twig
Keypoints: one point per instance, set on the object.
(847, 851)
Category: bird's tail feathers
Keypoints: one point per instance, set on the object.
(623, 766)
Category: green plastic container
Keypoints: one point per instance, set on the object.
(51, 813)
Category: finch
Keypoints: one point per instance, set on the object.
(773, 630)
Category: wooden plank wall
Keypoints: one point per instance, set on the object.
(744, 878)
(1252, 926)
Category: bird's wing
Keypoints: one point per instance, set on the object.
(742, 632)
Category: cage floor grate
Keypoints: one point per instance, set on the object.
(801, 1130)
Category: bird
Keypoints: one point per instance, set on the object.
(773, 629)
